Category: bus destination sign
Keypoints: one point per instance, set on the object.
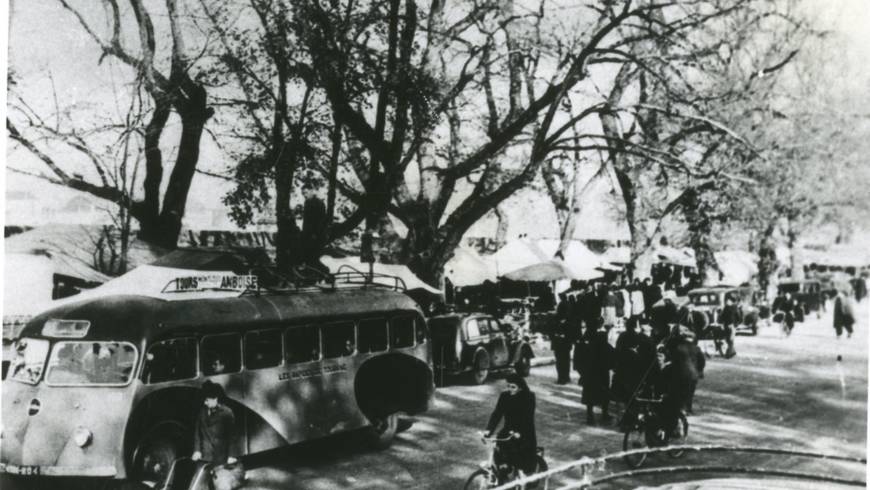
(215, 282)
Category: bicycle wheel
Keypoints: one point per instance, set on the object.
(479, 480)
(635, 438)
(683, 433)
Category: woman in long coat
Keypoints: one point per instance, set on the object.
(594, 363)
(517, 407)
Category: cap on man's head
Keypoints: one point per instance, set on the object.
(212, 390)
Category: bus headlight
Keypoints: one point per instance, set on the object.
(82, 437)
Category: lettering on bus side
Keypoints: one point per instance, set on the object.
(312, 372)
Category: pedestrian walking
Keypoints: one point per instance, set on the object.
(729, 319)
(844, 314)
(560, 341)
(594, 365)
(687, 367)
(634, 353)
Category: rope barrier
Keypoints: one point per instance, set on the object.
(586, 464)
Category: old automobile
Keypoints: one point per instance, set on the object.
(475, 344)
(711, 300)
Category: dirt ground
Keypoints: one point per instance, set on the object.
(783, 393)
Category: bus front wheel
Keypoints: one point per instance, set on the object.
(155, 453)
(383, 430)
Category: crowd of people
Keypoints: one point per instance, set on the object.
(656, 350)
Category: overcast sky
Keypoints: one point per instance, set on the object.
(46, 40)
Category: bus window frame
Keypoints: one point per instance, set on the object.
(357, 322)
(413, 319)
(316, 328)
(244, 360)
(133, 371)
(197, 373)
(352, 322)
(221, 334)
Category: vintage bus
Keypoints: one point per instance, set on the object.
(110, 387)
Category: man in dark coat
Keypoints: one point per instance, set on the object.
(652, 293)
(595, 363)
(687, 364)
(634, 354)
(730, 319)
(215, 428)
(786, 306)
(844, 314)
(662, 316)
(561, 341)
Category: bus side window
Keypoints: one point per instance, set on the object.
(420, 330)
(338, 340)
(402, 332)
(221, 354)
(301, 344)
(372, 335)
(170, 360)
(262, 349)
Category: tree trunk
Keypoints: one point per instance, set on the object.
(629, 198)
(287, 252)
(193, 120)
(796, 252)
(501, 228)
(148, 213)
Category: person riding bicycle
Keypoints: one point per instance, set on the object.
(680, 366)
(517, 407)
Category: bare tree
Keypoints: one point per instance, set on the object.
(159, 219)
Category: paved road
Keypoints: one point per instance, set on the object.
(778, 392)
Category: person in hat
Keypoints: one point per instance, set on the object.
(215, 428)
(516, 406)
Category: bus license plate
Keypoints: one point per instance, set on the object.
(26, 470)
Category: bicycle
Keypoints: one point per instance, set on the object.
(493, 473)
(647, 430)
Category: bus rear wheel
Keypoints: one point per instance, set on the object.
(383, 430)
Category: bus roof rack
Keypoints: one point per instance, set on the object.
(301, 279)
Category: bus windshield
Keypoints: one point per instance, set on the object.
(29, 360)
(91, 363)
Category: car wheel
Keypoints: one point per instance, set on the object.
(480, 369)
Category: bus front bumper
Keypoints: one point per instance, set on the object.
(95, 471)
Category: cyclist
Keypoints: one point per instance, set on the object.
(517, 407)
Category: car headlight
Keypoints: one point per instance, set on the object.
(82, 437)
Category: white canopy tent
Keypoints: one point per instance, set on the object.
(517, 254)
(468, 268)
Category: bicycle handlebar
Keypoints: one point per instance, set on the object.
(511, 435)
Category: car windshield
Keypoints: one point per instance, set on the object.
(705, 299)
(91, 363)
(29, 360)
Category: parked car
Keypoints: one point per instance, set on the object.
(475, 344)
(711, 301)
(808, 293)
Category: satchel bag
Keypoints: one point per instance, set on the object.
(228, 476)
